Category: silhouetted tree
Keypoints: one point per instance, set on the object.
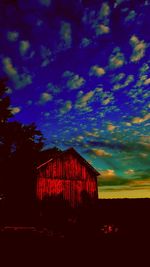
(19, 148)
(25, 142)
(5, 111)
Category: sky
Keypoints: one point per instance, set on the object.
(80, 69)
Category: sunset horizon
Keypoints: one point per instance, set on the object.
(80, 70)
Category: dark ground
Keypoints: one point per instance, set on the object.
(116, 231)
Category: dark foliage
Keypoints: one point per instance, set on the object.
(5, 111)
(19, 149)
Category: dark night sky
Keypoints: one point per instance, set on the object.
(81, 71)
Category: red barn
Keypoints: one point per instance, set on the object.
(68, 174)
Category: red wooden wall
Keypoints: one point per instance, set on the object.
(66, 175)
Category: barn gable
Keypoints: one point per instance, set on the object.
(73, 158)
(69, 174)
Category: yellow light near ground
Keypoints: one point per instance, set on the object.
(140, 193)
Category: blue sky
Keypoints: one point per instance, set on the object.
(81, 71)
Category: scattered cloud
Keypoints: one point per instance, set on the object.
(131, 16)
(20, 80)
(85, 42)
(106, 101)
(65, 36)
(45, 97)
(15, 110)
(9, 91)
(116, 59)
(94, 133)
(104, 11)
(139, 48)
(80, 138)
(8, 67)
(74, 81)
(110, 178)
(24, 46)
(67, 107)
(84, 99)
(118, 77)
(108, 175)
(23, 80)
(130, 172)
(111, 127)
(45, 55)
(12, 36)
(96, 71)
(138, 120)
(102, 29)
(100, 153)
(128, 124)
(118, 86)
(144, 68)
(54, 89)
(147, 81)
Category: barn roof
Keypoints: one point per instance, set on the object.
(71, 150)
(47, 154)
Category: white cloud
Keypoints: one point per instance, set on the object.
(100, 153)
(12, 36)
(139, 48)
(128, 124)
(118, 86)
(74, 81)
(94, 133)
(106, 101)
(111, 127)
(9, 91)
(138, 120)
(23, 80)
(84, 99)
(104, 11)
(65, 36)
(85, 42)
(24, 46)
(117, 77)
(96, 71)
(8, 67)
(131, 16)
(15, 110)
(116, 59)
(102, 29)
(45, 97)
(67, 107)
(147, 81)
(20, 80)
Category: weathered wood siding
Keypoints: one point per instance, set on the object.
(70, 189)
(66, 175)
